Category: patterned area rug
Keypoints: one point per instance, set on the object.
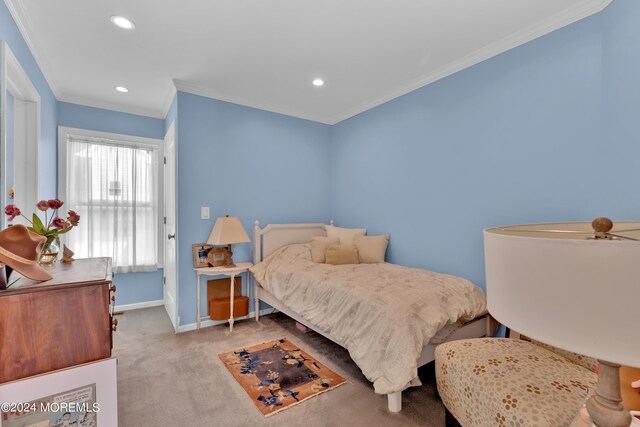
(277, 375)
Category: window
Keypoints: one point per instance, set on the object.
(114, 182)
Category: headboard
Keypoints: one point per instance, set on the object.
(274, 236)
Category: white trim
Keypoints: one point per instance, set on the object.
(546, 26)
(206, 321)
(168, 100)
(170, 135)
(138, 305)
(19, 16)
(64, 132)
(3, 132)
(27, 123)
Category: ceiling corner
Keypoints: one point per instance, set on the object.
(193, 89)
(19, 16)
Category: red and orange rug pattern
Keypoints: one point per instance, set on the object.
(277, 374)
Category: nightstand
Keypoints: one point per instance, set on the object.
(231, 273)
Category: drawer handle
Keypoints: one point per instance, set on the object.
(112, 288)
(114, 324)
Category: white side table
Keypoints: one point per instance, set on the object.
(231, 272)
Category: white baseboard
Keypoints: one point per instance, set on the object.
(206, 322)
(146, 304)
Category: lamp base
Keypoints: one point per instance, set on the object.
(605, 407)
(228, 258)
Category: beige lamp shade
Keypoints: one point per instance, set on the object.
(227, 231)
(559, 284)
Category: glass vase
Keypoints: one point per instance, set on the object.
(49, 252)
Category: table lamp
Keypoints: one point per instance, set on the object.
(575, 286)
(228, 231)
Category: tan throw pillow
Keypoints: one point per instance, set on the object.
(345, 234)
(318, 246)
(371, 249)
(342, 254)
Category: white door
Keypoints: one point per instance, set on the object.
(170, 288)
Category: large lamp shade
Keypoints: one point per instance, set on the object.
(576, 288)
(567, 289)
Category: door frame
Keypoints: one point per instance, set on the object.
(27, 111)
(171, 131)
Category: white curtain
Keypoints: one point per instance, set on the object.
(114, 188)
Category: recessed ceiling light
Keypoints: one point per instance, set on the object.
(122, 89)
(123, 22)
(318, 82)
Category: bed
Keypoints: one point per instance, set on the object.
(373, 310)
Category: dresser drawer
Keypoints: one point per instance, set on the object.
(45, 328)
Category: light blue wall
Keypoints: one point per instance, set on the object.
(519, 138)
(248, 163)
(132, 287)
(621, 88)
(9, 33)
(138, 287)
(99, 119)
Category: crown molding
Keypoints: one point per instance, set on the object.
(553, 23)
(168, 100)
(106, 105)
(19, 16)
(187, 87)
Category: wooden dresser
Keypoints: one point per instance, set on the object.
(56, 324)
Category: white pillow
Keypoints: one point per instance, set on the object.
(345, 234)
(371, 249)
(319, 246)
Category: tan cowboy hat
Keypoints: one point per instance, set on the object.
(20, 249)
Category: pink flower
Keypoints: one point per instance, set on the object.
(60, 223)
(73, 218)
(55, 204)
(12, 211)
(43, 205)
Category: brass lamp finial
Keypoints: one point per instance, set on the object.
(602, 226)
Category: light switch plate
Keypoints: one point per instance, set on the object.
(205, 212)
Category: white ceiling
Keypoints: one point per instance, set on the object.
(265, 53)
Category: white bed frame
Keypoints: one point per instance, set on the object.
(275, 236)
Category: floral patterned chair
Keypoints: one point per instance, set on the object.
(511, 382)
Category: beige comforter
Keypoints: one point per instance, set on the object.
(382, 313)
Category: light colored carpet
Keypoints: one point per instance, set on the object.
(167, 379)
